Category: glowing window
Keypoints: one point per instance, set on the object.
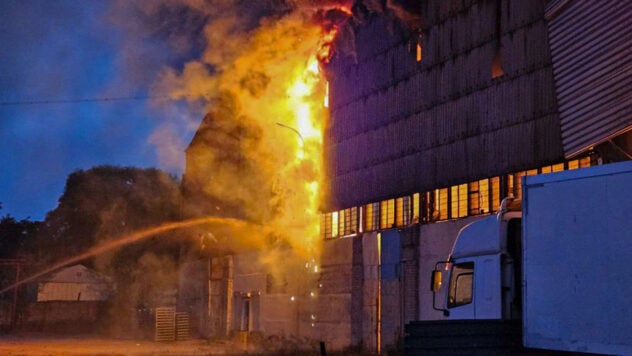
(546, 169)
(584, 162)
(415, 217)
(495, 193)
(399, 212)
(341, 222)
(403, 211)
(328, 225)
(574, 164)
(475, 196)
(479, 197)
(326, 99)
(351, 221)
(458, 200)
(407, 210)
(383, 214)
(387, 213)
(441, 204)
(419, 52)
(518, 184)
(427, 205)
(558, 167)
(334, 224)
(371, 216)
(347, 227)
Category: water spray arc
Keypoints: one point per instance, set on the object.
(134, 237)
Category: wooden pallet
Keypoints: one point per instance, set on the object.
(183, 326)
(165, 324)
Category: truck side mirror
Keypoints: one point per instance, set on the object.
(435, 283)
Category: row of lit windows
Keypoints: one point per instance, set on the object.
(458, 201)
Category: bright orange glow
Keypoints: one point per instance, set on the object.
(269, 88)
(344, 9)
(419, 53)
(334, 223)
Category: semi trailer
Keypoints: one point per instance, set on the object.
(554, 268)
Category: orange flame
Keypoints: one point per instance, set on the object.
(277, 88)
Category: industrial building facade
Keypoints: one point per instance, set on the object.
(432, 126)
(435, 117)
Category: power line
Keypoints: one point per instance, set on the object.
(85, 100)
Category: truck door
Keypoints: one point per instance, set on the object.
(487, 288)
(474, 291)
(461, 290)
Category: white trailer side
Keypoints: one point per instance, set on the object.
(577, 256)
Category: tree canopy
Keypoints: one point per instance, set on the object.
(105, 202)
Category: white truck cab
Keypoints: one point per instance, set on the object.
(482, 268)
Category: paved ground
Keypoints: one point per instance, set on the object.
(45, 345)
(42, 344)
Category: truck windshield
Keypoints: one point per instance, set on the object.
(460, 292)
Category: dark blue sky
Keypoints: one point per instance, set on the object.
(63, 50)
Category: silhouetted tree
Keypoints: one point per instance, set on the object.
(15, 235)
(106, 203)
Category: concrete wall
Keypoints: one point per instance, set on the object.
(370, 260)
(193, 293)
(435, 243)
(369, 283)
(333, 308)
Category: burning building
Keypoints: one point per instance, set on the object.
(436, 109)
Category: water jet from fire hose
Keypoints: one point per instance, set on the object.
(138, 236)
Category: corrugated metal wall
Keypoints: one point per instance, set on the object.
(591, 46)
(401, 126)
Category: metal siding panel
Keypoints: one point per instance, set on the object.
(593, 72)
(445, 122)
(391, 254)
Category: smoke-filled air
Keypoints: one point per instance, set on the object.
(257, 154)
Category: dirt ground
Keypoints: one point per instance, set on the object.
(45, 345)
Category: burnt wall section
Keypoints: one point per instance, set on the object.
(400, 126)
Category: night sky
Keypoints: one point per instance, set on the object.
(58, 51)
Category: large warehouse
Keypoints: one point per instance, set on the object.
(433, 125)
(437, 109)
